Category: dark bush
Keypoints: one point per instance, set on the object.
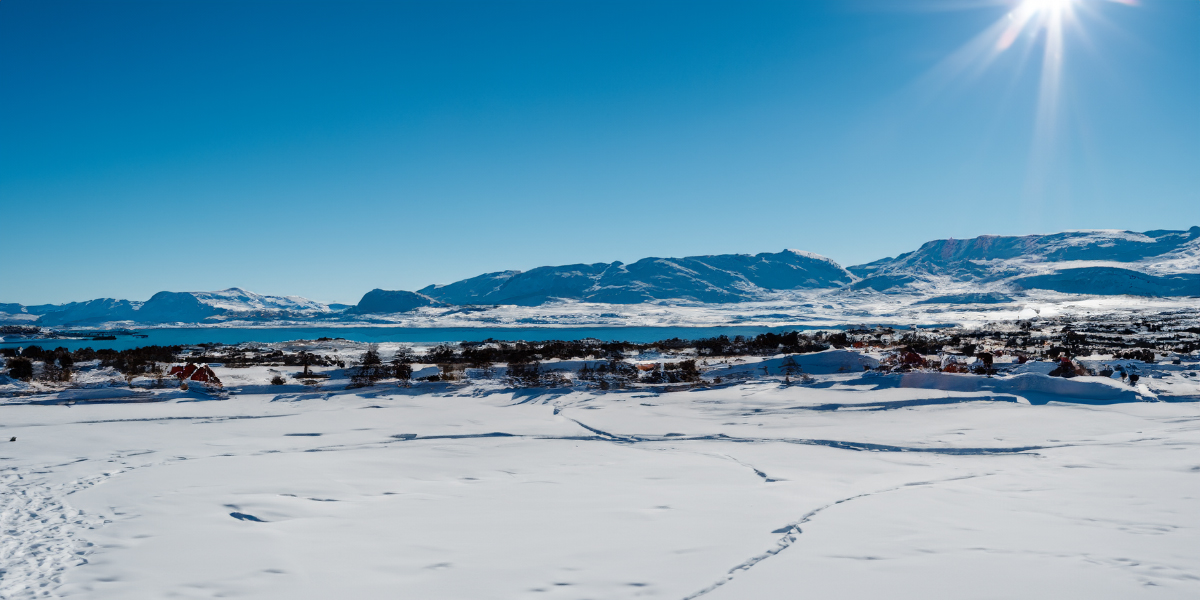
(441, 353)
(370, 358)
(20, 368)
(838, 340)
(404, 355)
(480, 358)
(688, 371)
(524, 374)
(137, 360)
(371, 370)
(403, 371)
(672, 344)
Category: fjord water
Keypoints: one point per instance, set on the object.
(418, 335)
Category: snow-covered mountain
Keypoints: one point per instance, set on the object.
(165, 307)
(982, 270)
(710, 279)
(237, 299)
(91, 311)
(1103, 262)
(377, 302)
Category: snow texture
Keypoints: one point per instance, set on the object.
(853, 485)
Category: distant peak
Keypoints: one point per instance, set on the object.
(812, 255)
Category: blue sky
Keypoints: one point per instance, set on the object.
(325, 149)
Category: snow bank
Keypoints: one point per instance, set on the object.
(1035, 387)
(816, 363)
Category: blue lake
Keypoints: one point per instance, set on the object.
(191, 336)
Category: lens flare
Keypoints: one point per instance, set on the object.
(1034, 15)
(1049, 5)
(1030, 22)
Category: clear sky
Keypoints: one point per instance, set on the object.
(325, 149)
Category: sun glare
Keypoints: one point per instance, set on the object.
(1035, 15)
(1035, 24)
(1049, 5)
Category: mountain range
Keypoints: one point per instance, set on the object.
(164, 307)
(981, 270)
(1152, 263)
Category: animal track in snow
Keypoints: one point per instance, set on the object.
(41, 532)
(792, 530)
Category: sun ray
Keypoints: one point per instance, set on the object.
(1045, 124)
(1044, 21)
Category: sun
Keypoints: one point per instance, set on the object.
(1048, 6)
(1041, 15)
(1028, 28)
(1033, 16)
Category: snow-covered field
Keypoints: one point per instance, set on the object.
(852, 486)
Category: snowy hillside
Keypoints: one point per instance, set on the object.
(949, 273)
(710, 279)
(237, 299)
(1104, 262)
(386, 302)
(165, 307)
(92, 311)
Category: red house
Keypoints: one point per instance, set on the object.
(191, 372)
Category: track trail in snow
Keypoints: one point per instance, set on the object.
(792, 530)
(42, 535)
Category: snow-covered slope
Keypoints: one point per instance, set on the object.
(383, 302)
(92, 311)
(469, 291)
(1103, 262)
(978, 271)
(712, 279)
(174, 307)
(241, 300)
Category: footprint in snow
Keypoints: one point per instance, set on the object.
(245, 517)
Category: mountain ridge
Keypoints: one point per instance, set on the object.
(708, 278)
(981, 270)
(1013, 263)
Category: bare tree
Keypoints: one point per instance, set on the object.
(159, 374)
(370, 369)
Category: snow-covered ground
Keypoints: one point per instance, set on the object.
(855, 485)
